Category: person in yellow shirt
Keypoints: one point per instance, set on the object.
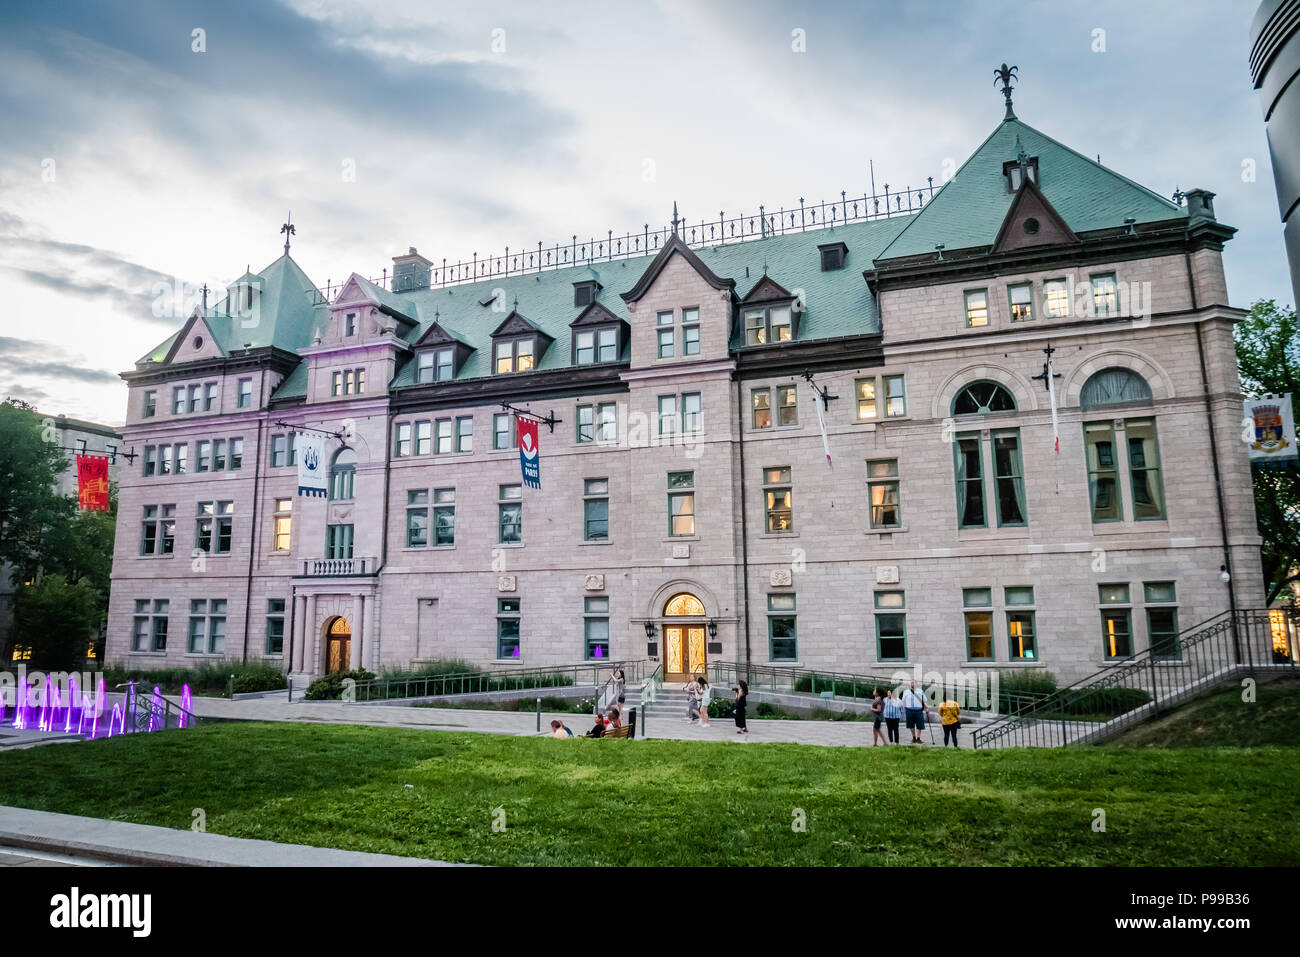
(950, 716)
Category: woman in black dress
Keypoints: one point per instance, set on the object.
(742, 698)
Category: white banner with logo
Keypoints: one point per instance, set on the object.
(1269, 429)
(311, 464)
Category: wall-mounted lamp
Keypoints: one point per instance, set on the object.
(1224, 576)
(650, 631)
(713, 628)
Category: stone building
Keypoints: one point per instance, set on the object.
(689, 510)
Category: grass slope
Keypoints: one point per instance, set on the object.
(1222, 719)
(665, 802)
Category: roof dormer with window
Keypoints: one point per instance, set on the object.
(518, 345)
(439, 355)
(598, 336)
(769, 314)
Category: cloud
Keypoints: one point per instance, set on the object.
(28, 357)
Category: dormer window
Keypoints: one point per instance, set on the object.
(770, 313)
(595, 345)
(435, 365)
(833, 256)
(585, 292)
(518, 344)
(768, 324)
(350, 324)
(514, 355)
(1015, 171)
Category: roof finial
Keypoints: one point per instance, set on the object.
(516, 303)
(1178, 196)
(1004, 75)
(675, 217)
(288, 231)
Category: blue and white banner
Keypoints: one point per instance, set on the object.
(311, 464)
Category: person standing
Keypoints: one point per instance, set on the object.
(619, 681)
(914, 706)
(877, 715)
(706, 694)
(893, 714)
(692, 700)
(950, 717)
(742, 699)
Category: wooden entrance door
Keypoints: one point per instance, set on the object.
(338, 647)
(684, 652)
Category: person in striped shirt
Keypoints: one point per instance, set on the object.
(893, 715)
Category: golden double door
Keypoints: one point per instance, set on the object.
(683, 652)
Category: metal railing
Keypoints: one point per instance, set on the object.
(1150, 682)
(481, 682)
(153, 712)
(725, 229)
(853, 687)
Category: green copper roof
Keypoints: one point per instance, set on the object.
(838, 303)
(288, 310)
(970, 207)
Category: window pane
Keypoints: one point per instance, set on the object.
(1144, 469)
(1117, 635)
(866, 398)
(977, 597)
(1162, 631)
(979, 635)
(895, 397)
(1021, 297)
(884, 504)
(1103, 471)
(681, 513)
(1056, 293)
(889, 599)
(970, 483)
(761, 402)
(977, 307)
(891, 637)
(1021, 636)
(1113, 594)
(1158, 591)
(596, 519)
(1105, 298)
(1010, 483)
(1019, 594)
(787, 400)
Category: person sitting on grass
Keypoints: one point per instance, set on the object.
(560, 730)
(597, 729)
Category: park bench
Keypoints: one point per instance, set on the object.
(626, 731)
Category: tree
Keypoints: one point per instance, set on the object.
(30, 465)
(1268, 359)
(55, 618)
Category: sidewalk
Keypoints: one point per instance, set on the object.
(122, 843)
(522, 723)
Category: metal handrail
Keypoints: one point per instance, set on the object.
(1199, 658)
(479, 682)
(776, 678)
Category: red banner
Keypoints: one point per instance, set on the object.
(92, 483)
(530, 465)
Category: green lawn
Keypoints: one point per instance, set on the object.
(665, 802)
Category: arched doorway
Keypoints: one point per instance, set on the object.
(684, 642)
(338, 645)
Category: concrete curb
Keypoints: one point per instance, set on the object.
(121, 842)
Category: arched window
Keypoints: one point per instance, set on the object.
(683, 604)
(1114, 387)
(342, 473)
(980, 398)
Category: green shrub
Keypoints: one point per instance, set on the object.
(209, 678)
(450, 677)
(330, 687)
(813, 683)
(722, 708)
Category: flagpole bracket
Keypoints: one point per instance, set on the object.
(1047, 370)
(550, 421)
(280, 423)
(824, 393)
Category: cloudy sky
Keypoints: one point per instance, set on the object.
(130, 161)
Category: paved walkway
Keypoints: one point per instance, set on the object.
(833, 733)
(32, 838)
